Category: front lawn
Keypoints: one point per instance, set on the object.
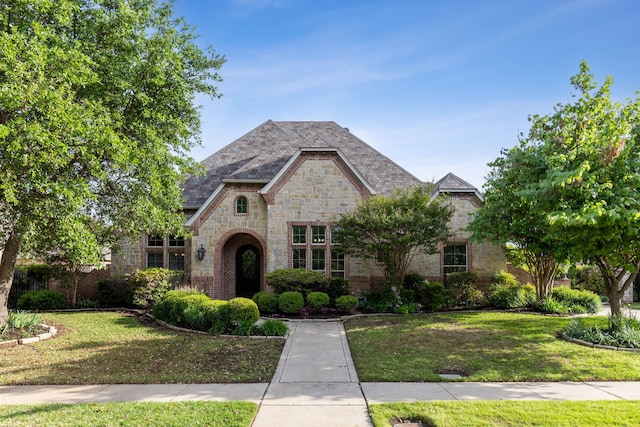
(481, 346)
(133, 414)
(116, 348)
(509, 413)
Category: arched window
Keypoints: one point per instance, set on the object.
(242, 205)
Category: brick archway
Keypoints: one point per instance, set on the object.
(225, 256)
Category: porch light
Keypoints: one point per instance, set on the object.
(201, 252)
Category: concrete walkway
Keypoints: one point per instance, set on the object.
(316, 384)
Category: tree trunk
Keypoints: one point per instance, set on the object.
(542, 268)
(8, 259)
(616, 282)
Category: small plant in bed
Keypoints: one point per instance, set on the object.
(621, 331)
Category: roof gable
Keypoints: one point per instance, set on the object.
(451, 183)
(263, 152)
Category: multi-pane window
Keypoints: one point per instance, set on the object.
(299, 235)
(176, 241)
(176, 261)
(155, 241)
(311, 249)
(299, 258)
(337, 264)
(318, 235)
(318, 259)
(154, 259)
(455, 258)
(165, 252)
(242, 205)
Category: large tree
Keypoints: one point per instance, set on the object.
(97, 115)
(392, 230)
(588, 185)
(510, 215)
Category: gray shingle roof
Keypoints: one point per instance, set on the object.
(261, 154)
(451, 183)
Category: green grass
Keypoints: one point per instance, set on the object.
(509, 413)
(482, 346)
(132, 414)
(116, 348)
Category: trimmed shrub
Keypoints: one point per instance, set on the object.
(273, 328)
(346, 303)
(150, 285)
(193, 310)
(461, 290)
(502, 277)
(267, 302)
(589, 301)
(291, 302)
(296, 280)
(433, 296)
(242, 310)
(41, 300)
(511, 296)
(317, 300)
(336, 287)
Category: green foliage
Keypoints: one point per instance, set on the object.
(116, 291)
(388, 300)
(267, 301)
(99, 113)
(501, 277)
(87, 303)
(576, 174)
(461, 290)
(291, 302)
(193, 310)
(296, 280)
(587, 277)
(336, 287)
(390, 231)
(507, 296)
(317, 300)
(41, 300)
(242, 310)
(574, 298)
(150, 285)
(245, 328)
(552, 306)
(621, 332)
(346, 303)
(433, 297)
(273, 328)
(22, 320)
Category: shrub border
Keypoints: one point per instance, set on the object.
(592, 345)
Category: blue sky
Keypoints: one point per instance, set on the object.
(437, 86)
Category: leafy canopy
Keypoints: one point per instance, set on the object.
(97, 115)
(392, 230)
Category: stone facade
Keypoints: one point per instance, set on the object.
(243, 213)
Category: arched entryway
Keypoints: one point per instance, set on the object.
(247, 271)
(242, 256)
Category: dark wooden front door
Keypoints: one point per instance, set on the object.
(247, 271)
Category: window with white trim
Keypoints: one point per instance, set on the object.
(454, 258)
(242, 205)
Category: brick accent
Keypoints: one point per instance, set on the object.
(225, 258)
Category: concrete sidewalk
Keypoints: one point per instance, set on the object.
(316, 384)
